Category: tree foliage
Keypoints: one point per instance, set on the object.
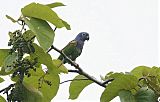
(23, 64)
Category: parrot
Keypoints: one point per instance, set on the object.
(74, 48)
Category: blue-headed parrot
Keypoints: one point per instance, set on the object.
(74, 48)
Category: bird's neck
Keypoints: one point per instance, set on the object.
(80, 44)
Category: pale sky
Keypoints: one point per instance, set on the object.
(123, 35)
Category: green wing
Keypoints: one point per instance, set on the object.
(70, 50)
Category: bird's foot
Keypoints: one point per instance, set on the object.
(75, 64)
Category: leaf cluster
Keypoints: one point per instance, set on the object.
(24, 59)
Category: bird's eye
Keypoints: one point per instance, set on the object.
(83, 34)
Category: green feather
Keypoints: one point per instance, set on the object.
(70, 51)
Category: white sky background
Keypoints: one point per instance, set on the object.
(123, 35)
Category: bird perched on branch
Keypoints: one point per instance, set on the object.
(74, 48)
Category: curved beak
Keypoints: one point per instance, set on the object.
(87, 37)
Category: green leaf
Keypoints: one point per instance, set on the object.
(151, 75)
(3, 54)
(66, 25)
(140, 71)
(10, 18)
(1, 79)
(28, 35)
(77, 86)
(122, 81)
(60, 66)
(2, 99)
(11, 35)
(144, 71)
(44, 58)
(8, 64)
(145, 95)
(115, 75)
(31, 94)
(44, 33)
(126, 96)
(154, 71)
(108, 74)
(48, 92)
(55, 4)
(15, 79)
(43, 12)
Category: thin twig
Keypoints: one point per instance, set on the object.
(107, 81)
(23, 24)
(73, 80)
(49, 49)
(79, 69)
(74, 71)
(55, 29)
(7, 88)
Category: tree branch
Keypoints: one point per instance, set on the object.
(80, 70)
(73, 80)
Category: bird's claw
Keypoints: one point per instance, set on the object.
(77, 64)
(74, 64)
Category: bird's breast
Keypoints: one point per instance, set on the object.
(80, 45)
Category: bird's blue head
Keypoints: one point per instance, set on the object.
(82, 36)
